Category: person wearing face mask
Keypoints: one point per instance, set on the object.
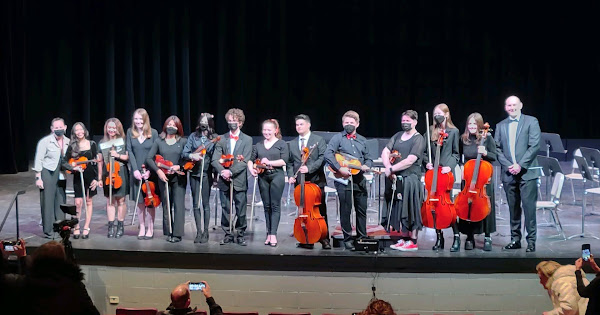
(518, 142)
(48, 176)
(238, 144)
(406, 171)
(470, 146)
(205, 132)
(114, 133)
(272, 152)
(355, 191)
(140, 138)
(170, 146)
(449, 156)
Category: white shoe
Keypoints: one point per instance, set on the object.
(398, 245)
(409, 246)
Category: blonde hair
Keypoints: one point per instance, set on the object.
(435, 130)
(146, 129)
(351, 114)
(548, 268)
(275, 124)
(119, 126)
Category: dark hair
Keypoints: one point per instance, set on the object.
(178, 124)
(74, 141)
(210, 118)
(303, 117)
(411, 113)
(479, 121)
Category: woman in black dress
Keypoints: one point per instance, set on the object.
(406, 172)
(448, 160)
(203, 136)
(79, 147)
(140, 138)
(113, 145)
(471, 145)
(170, 145)
(272, 152)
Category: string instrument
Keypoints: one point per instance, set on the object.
(189, 165)
(394, 156)
(81, 161)
(309, 226)
(113, 179)
(351, 163)
(260, 167)
(473, 203)
(166, 165)
(438, 210)
(151, 199)
(227, 159)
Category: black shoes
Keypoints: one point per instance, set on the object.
(456, 244)
(469, 244)
(173, 239)
(242, 241)
(349, 245)
(530, 248)
(325, 243)
(120, 231)
(439, 242)
(111, 229)
(487, 244)
(514, 245)
(227, 240)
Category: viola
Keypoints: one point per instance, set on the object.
(189, 165)
(473, 203)
(351, 163)
(394, 156)
(309, 226)
(438, 211)
(149, 189)
(113, 177)
(166, 165)
(260, 167)
(81, 161)
(227, 160)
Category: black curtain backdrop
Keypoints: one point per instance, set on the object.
(90, 60)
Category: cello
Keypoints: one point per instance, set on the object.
(473, 203)
(309, 226)
(438, 211)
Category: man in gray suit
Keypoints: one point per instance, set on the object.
(518, 142)
(239, 144)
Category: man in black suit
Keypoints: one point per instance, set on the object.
(518, 141)
(313, 169)
(237, 143)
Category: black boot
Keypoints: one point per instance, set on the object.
(470, 242)
(111, 229)
(439, 242)
(119, 229)
(456, 244)
(487, 244)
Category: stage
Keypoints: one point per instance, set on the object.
(131, 252)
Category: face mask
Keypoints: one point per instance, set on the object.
(171, 130)
(406, 126)
(439, 118)
(232, 126)
(349, 129)
(203, 127)
(59, 132)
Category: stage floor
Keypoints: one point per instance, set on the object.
(129, 251)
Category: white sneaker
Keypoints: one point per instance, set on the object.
(409, 246)
(397, 245)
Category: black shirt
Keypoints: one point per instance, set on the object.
(469, 151)
(279, 151)
(413, 146)
(169, 152)
(342, 144)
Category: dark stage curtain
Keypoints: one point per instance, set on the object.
(90, 60)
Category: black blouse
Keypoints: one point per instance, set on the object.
(279, 151)
(469, 151)
(169, 152)
(413, 146)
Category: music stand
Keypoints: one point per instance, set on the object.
(587, 175)
(550, 166)
(553, 144)
(592, 156)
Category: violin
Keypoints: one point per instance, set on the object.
(309, 226)
(227, 160)
(351, 163)
(149, 189)
(113, 177)
(260, 167)
(394, 156)
(166, 165)
(438, 210)
(473, 203)
(81, 161)
(189, 165)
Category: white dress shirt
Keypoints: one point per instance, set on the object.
(232, 142)
(306, 137)
(512, 135)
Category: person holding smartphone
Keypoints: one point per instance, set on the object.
(180, 299)
(591, 290)
(561, 284)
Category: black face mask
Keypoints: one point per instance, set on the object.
(439, 119)
(171, 130)
(203, 127)
(232, 126)
(349, 129)
(59, 132)
(406, 126)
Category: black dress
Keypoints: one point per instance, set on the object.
(469, 151)
(137, 157)
(123, 172)
(89, 174)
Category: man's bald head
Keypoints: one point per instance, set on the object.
(513, 106)
(180, 296)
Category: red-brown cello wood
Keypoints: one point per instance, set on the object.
(438, 211)
(309, 226)
(473, 203)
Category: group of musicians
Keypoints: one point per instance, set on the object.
(160, 163)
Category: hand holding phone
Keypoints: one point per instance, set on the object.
(196, 286)
(585, 252)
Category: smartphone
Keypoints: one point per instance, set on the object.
(585, 252)
(9, 248)
(196, 286)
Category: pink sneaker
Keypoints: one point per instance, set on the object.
(409, 246)
(397, 245)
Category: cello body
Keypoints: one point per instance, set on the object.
(309, 226)
(474, 204)
(438, 203)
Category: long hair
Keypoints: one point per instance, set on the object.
(210, 118)
(118, 124)
(378, 307)
(178, 124)
(275, 124)
(435, 130)
(74, 141)
(479, 122)
(146, 129)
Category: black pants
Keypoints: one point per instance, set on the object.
(271, 184)
(521, 196)
(360, 206)
(201, 225)
(51, 197)
(239, 202)
(177, 186)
